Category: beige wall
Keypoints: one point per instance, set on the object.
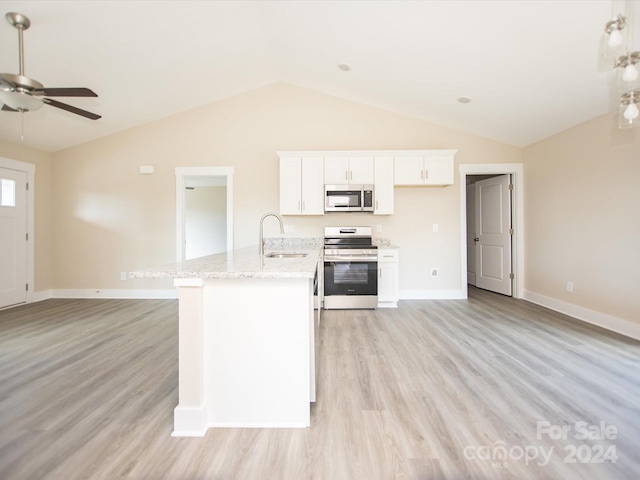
(42, 211)
(96, 216)
(109, 218)
(582, 196)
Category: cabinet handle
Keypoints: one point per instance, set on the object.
(387, 256)
(376, 204)
(351, 172)
(426, 174)
(299, 206)
(380, 273)
(421, 174)
(303, 206)
(346, 175)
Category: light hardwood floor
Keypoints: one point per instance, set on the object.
(88, 387)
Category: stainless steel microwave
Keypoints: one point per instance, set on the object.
(348, 198)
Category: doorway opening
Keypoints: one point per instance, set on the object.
(515, 170)
(489, 227)
(204, 211)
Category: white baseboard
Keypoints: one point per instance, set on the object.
(189, 421)
(432, 294)
(115, 293)
(609, 322)
(39, 296)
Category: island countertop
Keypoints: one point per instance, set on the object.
(240, 263)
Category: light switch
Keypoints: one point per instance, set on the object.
(435, 227)
(146, 169)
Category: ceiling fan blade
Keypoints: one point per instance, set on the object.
(8, 108)
(69, 108)
(65, 92)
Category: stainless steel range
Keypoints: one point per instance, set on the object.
(350, 268)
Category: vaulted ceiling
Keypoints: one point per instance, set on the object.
(530, 68)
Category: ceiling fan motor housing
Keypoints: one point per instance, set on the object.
(20, 93)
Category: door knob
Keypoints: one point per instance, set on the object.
(476, 239)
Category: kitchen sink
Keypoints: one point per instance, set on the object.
(286, 255)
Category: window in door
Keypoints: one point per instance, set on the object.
(7, 192)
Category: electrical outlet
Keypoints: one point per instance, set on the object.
(378, 228)
(570, 287)
(434, 272)
(436, 228)
(123, 275)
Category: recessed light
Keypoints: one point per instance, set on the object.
(464, 100)
(344, 67)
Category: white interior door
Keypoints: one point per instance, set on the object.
(471, 234)
(13, 237)
(493, 231)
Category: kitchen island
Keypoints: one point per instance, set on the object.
(246, 339)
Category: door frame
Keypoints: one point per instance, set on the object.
(517, 209)
(30, 170)
(181, 173)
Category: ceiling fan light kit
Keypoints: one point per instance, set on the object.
(19, 93)
(627, 65)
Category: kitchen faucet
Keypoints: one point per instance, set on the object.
(269, 214)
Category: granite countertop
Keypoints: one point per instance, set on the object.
(241, 263)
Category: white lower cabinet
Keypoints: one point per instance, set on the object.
(388, 277)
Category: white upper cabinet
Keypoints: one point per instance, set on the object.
(301, 186)
(344, 170)
(429, 168)
(383, 185)
(303, 175)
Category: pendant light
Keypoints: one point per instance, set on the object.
(618, 39)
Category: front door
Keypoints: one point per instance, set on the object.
(13, 237)
(493, 231)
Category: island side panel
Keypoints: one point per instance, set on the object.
(190, 416)
(257, 351)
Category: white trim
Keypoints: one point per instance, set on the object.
(258, 425)
(30, 170)
(41, 295)
(609, 322)
(181, 173)
(190, 421)
(515, 169)
(433, 294)
(115, 293)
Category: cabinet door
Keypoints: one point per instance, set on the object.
(388, 277)
(409, 170)
(386, 282)
(361, 170)
(438, 170)
(290, 185)
(336, 170)
(312, 186)
(383, 186)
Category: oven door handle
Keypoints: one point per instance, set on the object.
(350, 258)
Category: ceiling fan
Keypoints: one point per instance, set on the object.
(19, 93)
